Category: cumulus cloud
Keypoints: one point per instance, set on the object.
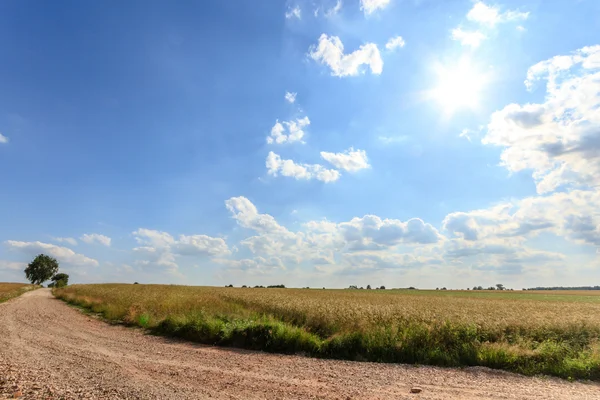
(572, 215)
(324, 242)
(288, 131)
(12, 265)
(277, 166)
(370, 6)
(491, 15)
(3, 139)
(246, 214)
(91, 238)
(62, 254)
(334, 10)
(559, 139)
(330, 51)
(294, 12)
(290, 97)
(67, 240)
(201, 245)
(395, 42)
(161, 249)
(372, 232)
(350, 160)
(468, 38)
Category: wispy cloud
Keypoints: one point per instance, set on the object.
(395, 42)
(95, 238)
(330, 51)
(350, 160)
(370, 6)
(290, 97)
(68, 240)
(491, 15)
(468, 38)
(294, 12)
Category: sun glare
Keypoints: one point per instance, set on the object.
(459, 86)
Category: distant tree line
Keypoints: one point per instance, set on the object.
(565, 288)
(498, 286)
(260, 286)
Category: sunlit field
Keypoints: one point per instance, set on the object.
(10, 290)
(554, 333)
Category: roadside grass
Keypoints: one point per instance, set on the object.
(11, 290)
(528, 333)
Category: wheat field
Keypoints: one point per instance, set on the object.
(10, 290)
(527, 332)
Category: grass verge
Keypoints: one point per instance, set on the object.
(12, 290)
(249, 320)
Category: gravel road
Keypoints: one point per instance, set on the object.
(49, 350)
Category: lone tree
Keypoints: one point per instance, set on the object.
(41, 269)
(59, 280)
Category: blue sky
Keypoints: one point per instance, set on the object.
(321, 143)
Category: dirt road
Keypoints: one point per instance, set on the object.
(49, 350)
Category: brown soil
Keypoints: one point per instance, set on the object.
(49, 350)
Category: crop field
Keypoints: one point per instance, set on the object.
(10, 290)
(554, 333)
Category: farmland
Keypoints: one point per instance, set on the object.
(10, 290)
(526, 332)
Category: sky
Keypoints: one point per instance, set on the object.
(320, 143)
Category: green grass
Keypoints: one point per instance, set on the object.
(529, 333)
(11, 290)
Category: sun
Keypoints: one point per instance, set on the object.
(459, 86)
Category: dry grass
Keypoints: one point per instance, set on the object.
(10, 290)
(554, 333)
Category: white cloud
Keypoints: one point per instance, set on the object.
(370, 6)
(323, 242)
(12, 265)
(466, 133)
(68, 240)
(277, 166)
(3, 139)
(350, 160)
(62, 254)
(288, 131)
(330, 52)
(468, 38)
(290, 97)
(154, 238)
(246, 214)
(395, 42)
(201, 245)
(572, 215)
(392, 139)
(559, 139)
(294, 13)
(161, 249)
(491, 15)
(95, 238)
(486, 17)
(371, 232)
(334, 10)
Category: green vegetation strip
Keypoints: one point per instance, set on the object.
(247, 319)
